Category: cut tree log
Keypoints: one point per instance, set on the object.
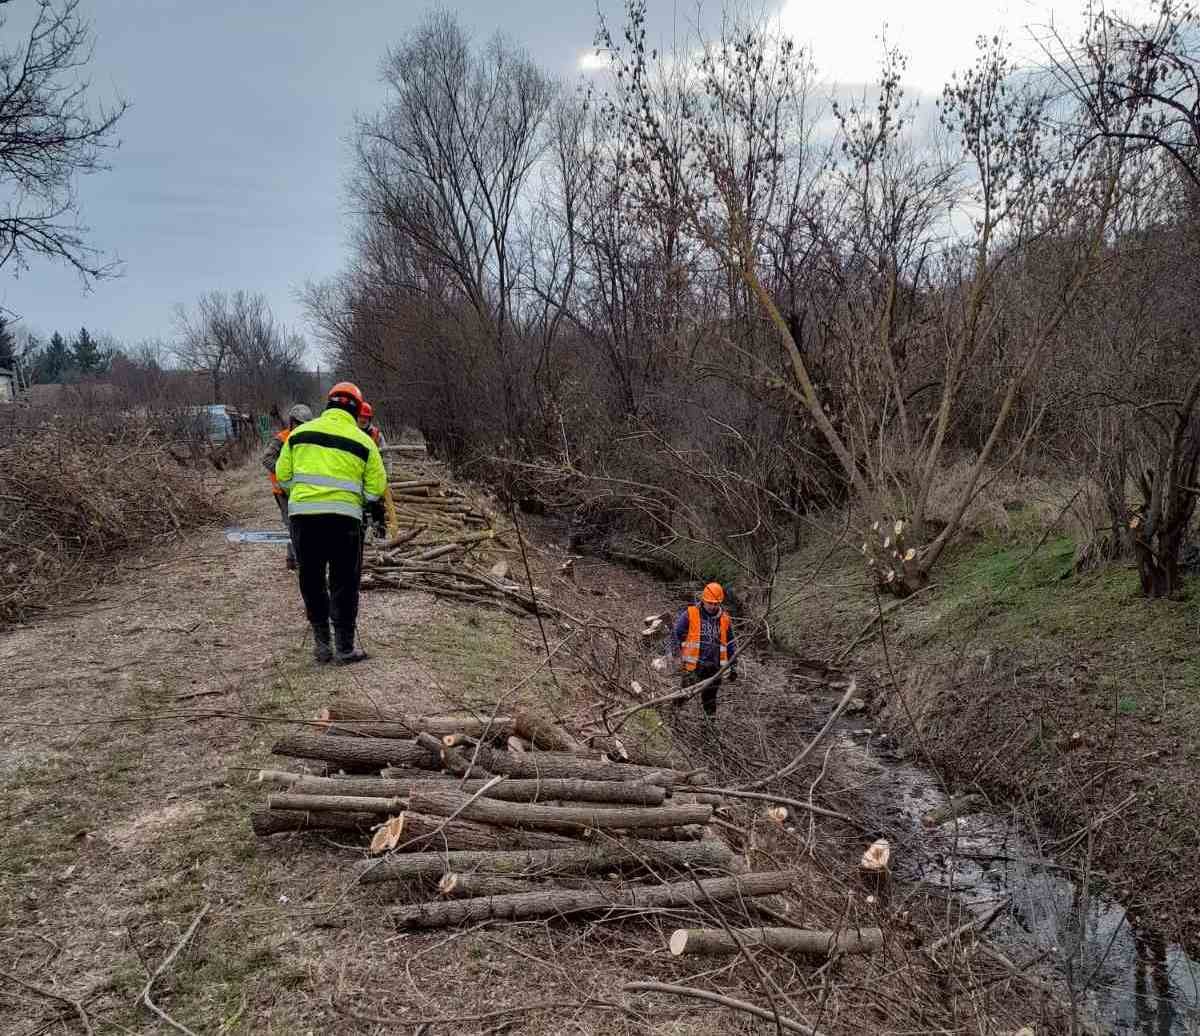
(270, 821)
(557, 902)
(628, 750)
(542, 732)
(372, 721)
(714, 941)
(592, 858)
(626, 793)
(369, 752)
(439, 801)
(336, 803)
(416, 832)
(468, 885)
(556, 764)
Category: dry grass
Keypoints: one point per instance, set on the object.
(72, 498)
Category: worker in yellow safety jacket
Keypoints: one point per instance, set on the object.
(297, 415)
(334, 477)
(702, 638)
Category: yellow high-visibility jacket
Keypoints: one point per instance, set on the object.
(330, 466)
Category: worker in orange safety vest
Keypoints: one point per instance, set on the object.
(297, 415)
(702, 638)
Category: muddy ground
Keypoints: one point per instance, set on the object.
(136, 719)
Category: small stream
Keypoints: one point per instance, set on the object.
(1129, 979)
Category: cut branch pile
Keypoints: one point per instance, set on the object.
(442, 535)
(479, 832)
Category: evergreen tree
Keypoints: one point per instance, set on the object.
(55, 361)
(8, 345)
(86, 356)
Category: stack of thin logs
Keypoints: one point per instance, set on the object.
(510, 818)
(440, 533)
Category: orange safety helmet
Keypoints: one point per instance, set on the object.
(347, 392)
(366, 410)
(714, 593)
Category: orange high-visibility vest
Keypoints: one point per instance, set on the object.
(276, 488)
(689, 651)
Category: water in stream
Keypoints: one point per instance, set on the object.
(1130, 980)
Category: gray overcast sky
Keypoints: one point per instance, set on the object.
(234, 153)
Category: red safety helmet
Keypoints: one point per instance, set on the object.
(348, 394)
(366, 410)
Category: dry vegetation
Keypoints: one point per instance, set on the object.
(78, 496)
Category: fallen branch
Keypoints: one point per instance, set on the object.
(880, 614)
(75, 1005)
(737, 793)
(794, 765)
(145, 997)
(790, 1024)
(978, 925)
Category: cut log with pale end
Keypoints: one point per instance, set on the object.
(418, 832)
(558, 902)
(468, 884)
(457, 740)
(716, 941)
(543, 733)
(272, 821)
(371, 752)
(556, 764)
(438, 800)
(337, 803)
(628, 750)
(515, 744)
(586, 858)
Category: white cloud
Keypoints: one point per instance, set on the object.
(594, 61)
(937, 35)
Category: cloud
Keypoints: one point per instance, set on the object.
(938, 36)
(594, 61)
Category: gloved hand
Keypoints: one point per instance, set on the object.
(732, 678)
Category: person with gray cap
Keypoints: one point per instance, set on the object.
(297, 415)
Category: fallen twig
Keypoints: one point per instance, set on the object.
(76, 1005)
(978, 925)
(790, 1024)
(145, 997)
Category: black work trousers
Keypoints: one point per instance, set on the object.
(329, 553)
(708, 696)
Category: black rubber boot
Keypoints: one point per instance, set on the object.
(347, 653)
(322, 645)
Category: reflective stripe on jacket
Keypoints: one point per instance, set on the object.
(330, 466)
(689, 647)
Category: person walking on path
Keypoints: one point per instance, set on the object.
(702, 638)
(334, 477)
(297, 415)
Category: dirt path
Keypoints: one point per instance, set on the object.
(137, 720)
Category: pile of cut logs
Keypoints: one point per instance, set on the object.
(508, 817)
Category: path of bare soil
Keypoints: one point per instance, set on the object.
(135, 721)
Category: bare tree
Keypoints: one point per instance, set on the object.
(1138, 84)
(235, 341)
(445, 165)
(50, 135)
